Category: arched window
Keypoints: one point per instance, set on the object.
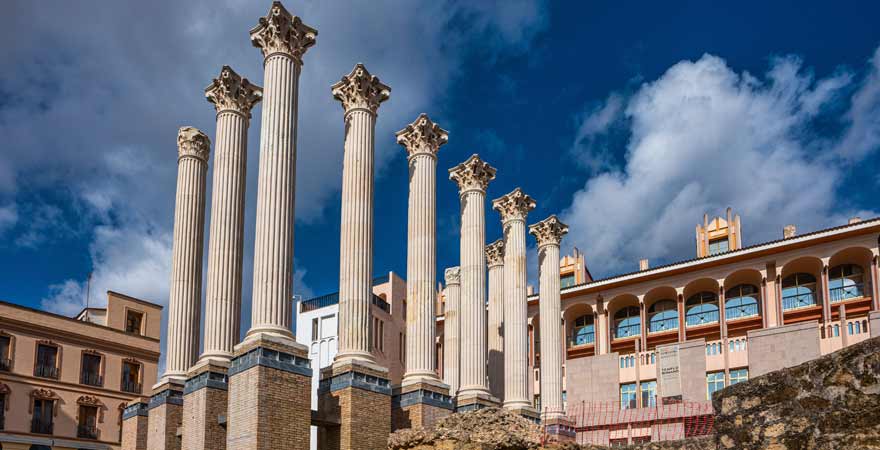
(701, 309)
(627, 322)
(663, 316)
(741, 301)
(584, 332)
(798, 291)
(846, 281)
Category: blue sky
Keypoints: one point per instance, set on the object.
(629, 120)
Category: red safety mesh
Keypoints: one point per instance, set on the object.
(601, 423)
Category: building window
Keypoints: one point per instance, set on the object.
(401, 347)
(798, 291)
(627, 396)
(314, 329)
(738, 376)
(91, 370)
(714, 348)
(47, 361)
(584, 331)
(836, 330)
(627, 322)
(701, 309)
(382, 336)
(3, 401)
(714, 382)
(43, 411)
(719, 245)
(566, 281)
(88, 422)
(649, 394)
(845, 282)
(741, 301)
(133, 321)
(5, 353)
(663, 316)
(131, 377)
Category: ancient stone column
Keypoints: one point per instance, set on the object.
(184, 304)
(270, 375)
(473, 177)
(283, 40)
(548, 233)
(451, 330)
(514, 208)
(233, 97)
(360, 94)
(495, 261)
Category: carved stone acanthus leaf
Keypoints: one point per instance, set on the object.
(192, 142)
(43, 394)
(422, 136)
(549, 231)
(453, 275)
(495, 253)
(360, 90)
(282, 32)
(473, 174)
(232, 92)
(514, 206)
(89, 400)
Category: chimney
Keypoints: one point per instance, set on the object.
(643, 265)
(856, 219)
(789, 231)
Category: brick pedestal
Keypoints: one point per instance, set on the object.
(559, 429)
(473, 402)
(204, 406)
(135, 425)
(357, 397)
(420, 405)
(165, 414)
(269, 395)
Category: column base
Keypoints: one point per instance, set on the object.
(420, 404)
(559, 429)
(269, 398)
(165, 415)
(135, 425)
(354, 404)
(204, 406)
(475, 401)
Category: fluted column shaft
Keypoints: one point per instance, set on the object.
(356, 244)
(451, 329)
(516, 338)
(473, 292)
(184, 305)
(495, 328)
(273, 248)
(551, 331)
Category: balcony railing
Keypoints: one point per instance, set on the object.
(46, 371)
(130, 386)
(382, 304)
(5, 365)
(660, 325)
(585, 338)
(798, 301)
(41, 427)
(91, 379)
(87, 431)
(842, 293)
(695, 319)
(625, 331)
(741, 311)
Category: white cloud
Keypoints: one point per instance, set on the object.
(863, 135)
(8, 217)
(703, 137)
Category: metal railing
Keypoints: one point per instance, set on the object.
(694, 319)
(625, 331)
(798, 301)
(667, 324)
(87, 431)
(320, 302)
(41, 427)
(46, 371)
(381, 303)
(582, 339)
(91, 379)
(842, 293)
(5, 364)
(741, 311)
(130, 386)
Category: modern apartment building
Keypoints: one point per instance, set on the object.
(64, 381)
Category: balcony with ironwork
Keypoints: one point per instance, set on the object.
(39, 426)
(91, 379)
(5, 365)
(87, 431)
(381, 303)
(131, 387)
(44, 371)
(581, 344)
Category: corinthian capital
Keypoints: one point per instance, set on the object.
(453, 275)
(549, 231)
(191, 142)
(495, 253)
(230, 91)
(473, 174)
(514, 206)
(422, 137)
(282, 32)
(360, 90)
